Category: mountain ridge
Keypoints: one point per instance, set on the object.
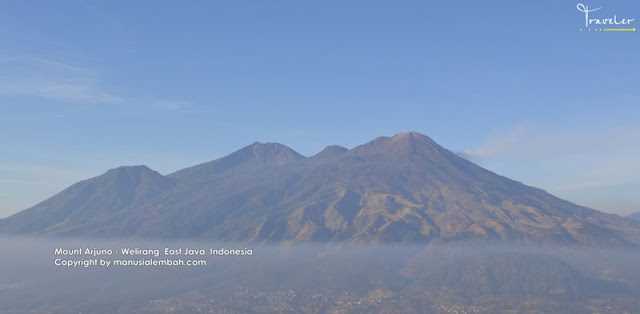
(404, 188)
(256, 155)
(118, 188)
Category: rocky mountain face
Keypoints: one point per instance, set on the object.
(404, 188)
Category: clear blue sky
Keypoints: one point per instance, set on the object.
(86, 86)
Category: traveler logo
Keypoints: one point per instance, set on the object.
(601, 23)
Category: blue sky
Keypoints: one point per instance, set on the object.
(86, 86)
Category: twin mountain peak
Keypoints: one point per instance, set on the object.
(404, 188)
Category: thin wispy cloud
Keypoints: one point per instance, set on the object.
(526, 142)
(497, 145)
(53, 80)
(170, 105)
(26, 170)
(565, 162)
(28, 182)
(65, 82)
(612, 169)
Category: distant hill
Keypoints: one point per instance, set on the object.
(634, 216)
(86, 204)
(404, 188)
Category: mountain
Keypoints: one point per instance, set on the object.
(330, 152)
(634, 216)
(91, 202)
(252, 157)
(404, 188)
